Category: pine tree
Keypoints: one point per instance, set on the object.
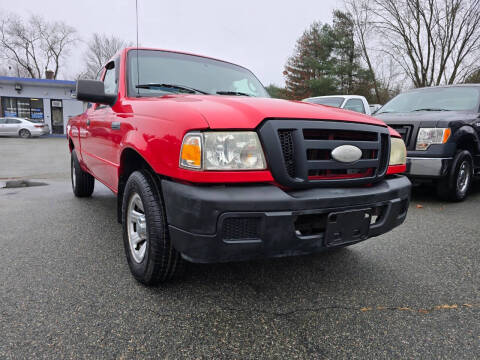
(326, 61)
(310, 66)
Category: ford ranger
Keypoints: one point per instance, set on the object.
(208, 168)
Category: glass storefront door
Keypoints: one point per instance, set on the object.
(57, 116)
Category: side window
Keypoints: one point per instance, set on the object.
(355, 105)
(13, 121)
(3, 120)
(110, 79)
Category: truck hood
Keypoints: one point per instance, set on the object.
(239, 112)
(428, 118)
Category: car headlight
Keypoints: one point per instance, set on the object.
(398, 152)
(429, 136)
(222, 150)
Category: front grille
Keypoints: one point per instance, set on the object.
(299, 152)
(240, 228)
(405, 132)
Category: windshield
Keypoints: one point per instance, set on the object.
(434, 99)
(188, 72)
(330, 101)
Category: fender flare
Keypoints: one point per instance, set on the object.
(466, 132)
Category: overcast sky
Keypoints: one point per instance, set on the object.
(258, 34)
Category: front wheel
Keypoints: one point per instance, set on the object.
(457, 185)
(150, 254)
(82, 182)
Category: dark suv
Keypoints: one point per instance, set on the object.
(441, 129)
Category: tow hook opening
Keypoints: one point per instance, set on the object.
(310, 224)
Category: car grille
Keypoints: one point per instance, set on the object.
(405, 132)
(299, 152)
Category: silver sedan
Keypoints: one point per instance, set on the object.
(13, 126)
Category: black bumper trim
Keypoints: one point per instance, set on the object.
(196, 216)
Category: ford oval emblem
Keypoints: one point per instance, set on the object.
(347, 153)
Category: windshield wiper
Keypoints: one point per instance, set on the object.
(171, 86)
(430, 109)
(237, 93)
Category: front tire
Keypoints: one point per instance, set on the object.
(82, 182)
(456, 186)
(150, 255)
(24, 134)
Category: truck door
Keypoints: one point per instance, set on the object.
(97, 146)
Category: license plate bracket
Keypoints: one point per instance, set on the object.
(347, 227)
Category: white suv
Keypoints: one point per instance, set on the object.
(348, 102)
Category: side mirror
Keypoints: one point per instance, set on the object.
(94, 91)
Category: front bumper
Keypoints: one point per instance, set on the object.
(428, 167)
(229, 223)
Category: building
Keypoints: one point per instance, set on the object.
(41, 100)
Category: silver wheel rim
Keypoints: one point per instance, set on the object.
(136, 228)
(74, 176)
(463, 178)
(24, 134)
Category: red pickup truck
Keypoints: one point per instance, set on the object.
(208, 168)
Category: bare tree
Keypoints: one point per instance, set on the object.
(360, 11)
(101, 48)
(35, 45)
(433, 41)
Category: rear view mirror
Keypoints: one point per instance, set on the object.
(94, 91)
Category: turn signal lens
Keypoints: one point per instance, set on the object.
(191, 153)
(446, 135)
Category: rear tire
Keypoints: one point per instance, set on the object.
(83, 183)
(456, 185)
(150, 255)
(24, 134)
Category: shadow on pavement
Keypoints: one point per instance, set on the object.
(428, 192)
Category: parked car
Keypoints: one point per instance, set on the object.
(13, 126)
(207, 168)
(441, 128)
(374, 108)
(348, 102)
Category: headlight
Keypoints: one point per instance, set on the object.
(429, 136)
(233, 150)
(398, 152)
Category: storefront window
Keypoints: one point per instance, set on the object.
(36, 109)
(9, 106)
(26, 108)
(23, 108)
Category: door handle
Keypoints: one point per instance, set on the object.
(116, 125)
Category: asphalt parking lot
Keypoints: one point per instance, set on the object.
(66, 290)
